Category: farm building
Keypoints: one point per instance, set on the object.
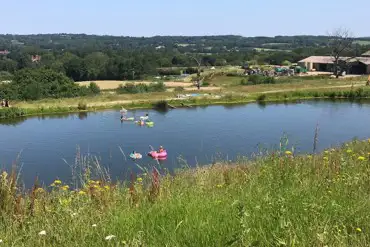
(357, 65)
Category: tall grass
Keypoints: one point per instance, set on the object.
(279, 200)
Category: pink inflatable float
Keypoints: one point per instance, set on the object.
(156, 155)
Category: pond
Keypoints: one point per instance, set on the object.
(198, 135)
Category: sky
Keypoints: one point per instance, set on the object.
(190, 17)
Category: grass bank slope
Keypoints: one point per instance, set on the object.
(277, 200)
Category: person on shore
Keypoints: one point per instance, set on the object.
(2, 103)
(6, 103)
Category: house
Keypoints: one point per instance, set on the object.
(357, 65)
(4, 52)
(36, 58)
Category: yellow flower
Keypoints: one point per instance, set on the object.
(91, 182)
(106, 187)
(52, 185)
(139, 180)
(57, 182)
(95, 186)
(288, 153)
(326, 152)
(39, 190)
(349, 151)
(326, 158)
(220, 185)
(358, 229)
(361, 158)
(81, 192)
(65, 187)
(309, 156)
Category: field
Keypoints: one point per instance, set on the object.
(362, 42)
(279, 199)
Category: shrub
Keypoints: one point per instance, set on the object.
(131, 88)
(11, 112)
(259, 79)
(161, 105)
(205, 84)
(191, 70)
(179, 89)
(261, 97)
(94, 88)
(82, 106)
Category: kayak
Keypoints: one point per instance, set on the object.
(135, 156)
(128, 119)
(150, 124)
(156, 155)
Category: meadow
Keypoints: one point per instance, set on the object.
(276, 198)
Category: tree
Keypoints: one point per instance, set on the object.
(340, 42)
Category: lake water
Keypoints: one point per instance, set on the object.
(198, 135)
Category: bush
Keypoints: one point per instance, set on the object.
(131, 88)
(94, 88)
(82, 106)
(259, 79)
(11, 112)
(179, 89)
(261, 97)
(191, 70)
(205, 84)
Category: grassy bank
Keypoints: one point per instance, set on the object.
(277, 200)
(46, 107)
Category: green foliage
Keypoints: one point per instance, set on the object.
(94, 88)
(36, 84)
(179, 89)
(205, 84)
(261, 97)
(11, 112)
(257, 79)
(82, 106)
(134, 88)
(286, 63)
(282, 199)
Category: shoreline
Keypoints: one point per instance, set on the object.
(227, 99)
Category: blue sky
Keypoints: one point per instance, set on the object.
(191, 17)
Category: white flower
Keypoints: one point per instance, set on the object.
(42, 233)
(93, 225)
(1, 241)
(74, 214)
(109, 237)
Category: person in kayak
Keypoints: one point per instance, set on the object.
(161, 149)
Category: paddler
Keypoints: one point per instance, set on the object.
(161, 149)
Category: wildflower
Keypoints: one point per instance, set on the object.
(57, 182)
(358, 229)
(42, 233)
(1, 241)
(309, 156)
(81, 192)
(94, 225)
(326, 158)
(52, 185)
(362, 158)
(74, 214)
(326, 152)
(65, 187)
(288, 153)
(109, 237)
(106, 187)
(139, 180)
(349, 151)
(39, 190)
(220, 185)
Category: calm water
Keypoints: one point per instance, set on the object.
(199, 135)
